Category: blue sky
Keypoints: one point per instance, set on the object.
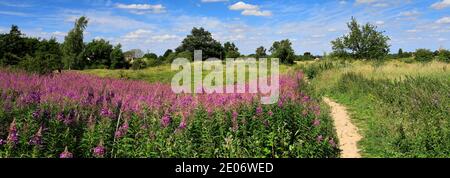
(157, 25)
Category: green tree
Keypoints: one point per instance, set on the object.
(46, 59)
(423, 55)
(363, 42)
(260, 52)
(73, 45)
(98, 53)
(400, 53)
(444, 55)
(12, 47)
(284, 51)
(118, 58)
(151, 56)
(231, 51)
(200, 39)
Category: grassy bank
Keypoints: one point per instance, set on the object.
(401, 108)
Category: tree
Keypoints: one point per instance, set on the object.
(260, 52)
(231, 51)
(118, 58)
(98, 53)
(151, 56)
(200, 39)
(167, 54)
(423, 55)
(363, 42)
(444, 55)
(283, 50)
(13, 46)
(46, 59)
(73, 45)
(400, 53)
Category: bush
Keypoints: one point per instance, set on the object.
(138, 64)
(423, 55)
(444, 55)
(41, 64)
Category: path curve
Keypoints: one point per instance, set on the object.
(347, 132)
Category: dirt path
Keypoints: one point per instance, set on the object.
(347, 132)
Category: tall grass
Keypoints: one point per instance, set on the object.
(411, 116)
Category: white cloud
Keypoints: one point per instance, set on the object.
(138, 34)
(410, 13)
(107, 22)
(381, 5)
(58, 34)
(256, 13)
(243, 6)
(13, 13)
(142, 8)
(206, 1)
(318, 36)
(249, 9)
(412, 30)
(365, 1)
(443, 20)
(441, 4)
(162, 38)
(332, 30)
(380, 22)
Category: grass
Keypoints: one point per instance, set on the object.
(162, 73)
(390, 103)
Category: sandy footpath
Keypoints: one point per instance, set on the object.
(347, 132)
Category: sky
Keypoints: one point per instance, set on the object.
(157, 25)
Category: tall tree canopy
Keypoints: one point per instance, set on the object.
(363, 42)
(231, 51)
(97, 53)
(260, 52)
(73, 45)
(284, 51)
(200, 39)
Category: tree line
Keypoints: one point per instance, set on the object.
(363, 42)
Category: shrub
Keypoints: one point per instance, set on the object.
(444, 55)
(138, 64)
(423, 55)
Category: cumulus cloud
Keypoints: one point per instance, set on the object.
(441, 4)
(142, 8)
(249, 9)
(443, 20)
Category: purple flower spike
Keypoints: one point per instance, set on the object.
(259, 111)
(37, 138)
(66, 154)
(316, 122)
(332, 143)
(122, 130)
(319, 138)
(165, 121)
(182, 124)
(13, 136)
(99, 151)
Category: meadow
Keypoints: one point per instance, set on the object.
(401, 108)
